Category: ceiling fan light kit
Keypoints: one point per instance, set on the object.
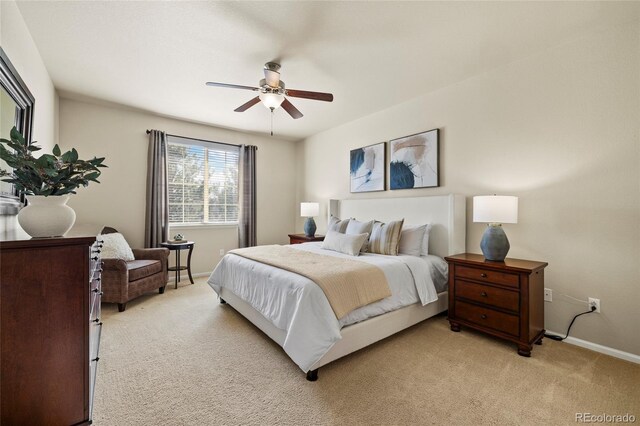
(272, 93)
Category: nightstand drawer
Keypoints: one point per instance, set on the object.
(301, 238)
(493, 296)
(487, 317)
(488, 275)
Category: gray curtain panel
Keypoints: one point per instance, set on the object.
(157, 207)
(247, 192)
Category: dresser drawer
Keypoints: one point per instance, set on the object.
(487, 275)
(95, 330)
(95, 297)
(487, 317)
(93, 370)
(492, 296)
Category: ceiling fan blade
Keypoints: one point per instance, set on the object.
(231, 86)
(316, 96)
(272, 78)
(293, 111)
(245, 106)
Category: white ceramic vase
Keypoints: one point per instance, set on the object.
(46, 216)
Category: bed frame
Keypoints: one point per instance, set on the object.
(445, 213)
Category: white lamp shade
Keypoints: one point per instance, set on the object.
(271, 100)
(309, 209)
(495, 209)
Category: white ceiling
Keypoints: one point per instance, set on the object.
(157, 56)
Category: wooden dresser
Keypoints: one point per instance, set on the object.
(504, 299)
(50, 323)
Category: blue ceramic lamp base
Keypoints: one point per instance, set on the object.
(310, 227)
(495, 244)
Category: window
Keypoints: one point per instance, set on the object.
(203, 182)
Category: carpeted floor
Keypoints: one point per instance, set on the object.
(183, 359)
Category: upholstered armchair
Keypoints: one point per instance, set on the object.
(123, 281)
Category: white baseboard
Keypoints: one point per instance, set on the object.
(627, 356)
(185, 275)
(201, 274)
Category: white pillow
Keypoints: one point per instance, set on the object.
(115, 247)
(412, 240)
(343, 243)
(425, 243)
(335, 224)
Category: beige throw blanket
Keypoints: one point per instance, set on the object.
(348, 284)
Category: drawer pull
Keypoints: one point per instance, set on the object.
(483, 316)
(483, 294)
(95, 258)
(96, 359)
(483, 275)
(96, 320)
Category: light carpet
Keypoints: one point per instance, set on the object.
(181, 358)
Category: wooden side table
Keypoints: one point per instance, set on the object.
(178, 247)
(301, 238)
(504, 299)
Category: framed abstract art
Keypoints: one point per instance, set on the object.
(414, 161)
(368, 168)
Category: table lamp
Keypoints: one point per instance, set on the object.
(309, 210)
(494, 210)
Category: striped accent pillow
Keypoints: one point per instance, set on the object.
(385, 237)
(337, 225)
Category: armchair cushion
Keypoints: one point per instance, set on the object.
(139, 269)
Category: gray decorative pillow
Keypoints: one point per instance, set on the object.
(115, 247)
(335, 224)
(385, 238)
(356, 227)
(412, 240)
(343, 243)
(425, 244)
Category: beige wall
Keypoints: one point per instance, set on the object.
(17, 43)
(560, 130)
(118, 134)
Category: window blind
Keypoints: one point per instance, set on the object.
(203, 182)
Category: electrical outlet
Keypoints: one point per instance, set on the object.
(596, 303)
(221, 252)
(548, 295)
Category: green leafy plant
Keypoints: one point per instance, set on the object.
(49, 174)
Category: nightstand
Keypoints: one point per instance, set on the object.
(301, 238)
(503, 299)
(177, 246)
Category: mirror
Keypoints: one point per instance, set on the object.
(16, 109)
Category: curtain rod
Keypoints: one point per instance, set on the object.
(196, 139)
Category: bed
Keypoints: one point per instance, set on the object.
(294, 312)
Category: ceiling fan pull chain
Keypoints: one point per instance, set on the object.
(272, 109)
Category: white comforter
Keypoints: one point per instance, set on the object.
(298, 306)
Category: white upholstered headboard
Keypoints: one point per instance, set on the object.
(445, 213)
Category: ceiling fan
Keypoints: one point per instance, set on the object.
(272, 92)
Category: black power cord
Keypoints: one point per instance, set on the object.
(560, 338)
